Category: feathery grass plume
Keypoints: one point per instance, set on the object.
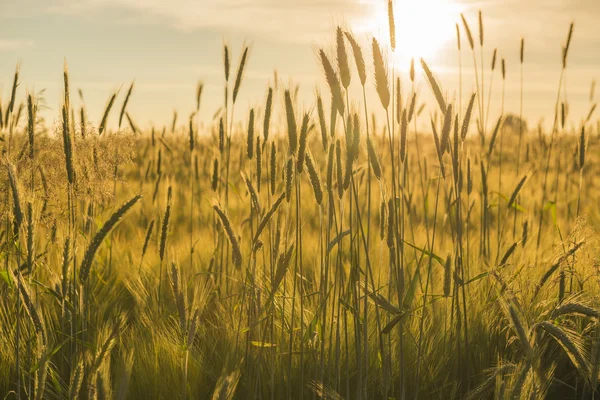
(250, 136)
(282, 265)
(398, 101)
(348, 131)
(174, 123)
(267, 119)
(265, 220)
(45, 188)
(494, 135)
(589, 117)
(191, 133)
(522, 52)
(240, 74)
(567, 45)
(164, 231)
(403, 131)
(467, 118)
(582, 148)
(457, 36)
(215, 175)
(574, 308)
(147, 238)
(131, 123)
(15, 121)
(411, 72)
(438, 148)
(382, 218)
(83, 122)
(322, 124)
(494, 55)
(515, 318)
(572, 349)
(338, 163)
(226, 61)
(302, 143)
(199, 90)
(178, 294)
(31, 114)
(192, 327)
(159, 163)
(329, 177)
(480, 29)
(515, 193)
(484, 180)
(555, 266)
(508, 253)
(323, 391)
(374, 159)
(342, 58)
(392, 25)
(88, 258)
(42, 372)
(253, 196)
(273, 168)
(313, 175)
(435, 87)
(258, 163)
(390, 224)
(469, 36)
(66, 85)
(227, 385)
(445, 139)
(289, 177)
(292, 129)
(236, 253)
(525, 234)
(127, 96)
(358, 58)
(381, 76)
(30, 307)
(104, 120)
(334, 86)
(13, 94)
(30, 237)
(68, 146)
(503, 69)
(447, 275)
(411, 108)
(221, 136)
(76, 381)
(563, 115)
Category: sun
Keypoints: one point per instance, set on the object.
(423, 27)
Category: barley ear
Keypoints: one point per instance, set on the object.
(236, 254)
(240, 74)
(381, 77)
(92, 248)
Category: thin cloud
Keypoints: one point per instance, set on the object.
(15, 44)
(284, 20)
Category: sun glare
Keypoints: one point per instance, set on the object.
(422, 27)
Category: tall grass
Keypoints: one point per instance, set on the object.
(276, 285)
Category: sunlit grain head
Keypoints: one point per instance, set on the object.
(422, 27)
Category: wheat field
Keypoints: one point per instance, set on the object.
(333, 251)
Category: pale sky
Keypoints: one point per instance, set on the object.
(168, 46)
